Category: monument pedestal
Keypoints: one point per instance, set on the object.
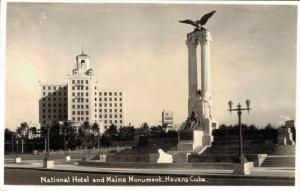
(243, 168)
(189, 140)
(285, 136)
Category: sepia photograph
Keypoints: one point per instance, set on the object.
(148, 94)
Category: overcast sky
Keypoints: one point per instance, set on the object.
(140, 49)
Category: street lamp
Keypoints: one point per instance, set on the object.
(239, 109)
(47, 146)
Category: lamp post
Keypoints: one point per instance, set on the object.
(239, 109)
(47, 146)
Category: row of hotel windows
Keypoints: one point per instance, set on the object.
(108, 93)
(54, 111)
(54, 93)
(110, 105)
(100, 116)
(110, 99)
(54, 116)
(80, 81)
(110, 121)
(54, 105)
(80, 87)
(54, 99)
(54, 87)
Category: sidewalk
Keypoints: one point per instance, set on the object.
(256, 173)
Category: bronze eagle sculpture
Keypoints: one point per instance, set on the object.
(199, 23)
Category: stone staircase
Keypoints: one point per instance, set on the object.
(283, 156)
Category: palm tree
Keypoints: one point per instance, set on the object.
(21, 132)
(95, 130)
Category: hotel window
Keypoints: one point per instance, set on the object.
(116, 115)
(78, 112)
(116, 110)
(115, 93)
(73, 112)
(100, 110)
(120, 93)
(54, 88)
(110, 93)
(82, 81)
(49, 105)
(87, 112)
(82, 113)
(95, 104)
(95, 110)
(110, 110)
(86, 106)
(73, 118)
(81, 106)
(54, 105)
(105, 93)
(100, 99)
(73, 88)
(105, 105)
(116, 121)
(86, 94)
(105, 121)
(120, 121)
(100, 93)
(120, 115)
(78, 118)
(100, 104)
(73, 106)
(110, 121)
(73, 100)
(73, 94)
(120, 110)
(78, 81)
(110, 116)
(49, 99)
(105, 116)
(105, 110)
(44, 93)
(87, 100)
(120, 99)
(110, 99)
(86, 81)
(73, 81)
(65, 93)
(95, 115)
(49, 110)
(120, 104)
(44, 87)
(115, 99)
(87, 88)
(116, 105)
(95, 93)
(49, 88)
(100, 116)
(95, 99)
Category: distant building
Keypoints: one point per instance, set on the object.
(167, 120)
(80, 100)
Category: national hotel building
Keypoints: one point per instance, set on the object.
(79, 100)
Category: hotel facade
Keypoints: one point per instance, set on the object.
(80, 100)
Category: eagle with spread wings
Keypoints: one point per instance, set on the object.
(199, 23)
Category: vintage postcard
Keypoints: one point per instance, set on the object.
(149, 93)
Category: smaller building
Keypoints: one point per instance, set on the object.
(167, 120)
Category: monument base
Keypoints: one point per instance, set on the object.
(48, 164)
(18, 160)
(189, 140)
(242, 168)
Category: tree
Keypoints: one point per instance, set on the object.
(84, 133)
(21, 133)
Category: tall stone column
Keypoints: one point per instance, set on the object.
(192, 44)
(205, 39)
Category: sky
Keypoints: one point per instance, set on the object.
(140, 49)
